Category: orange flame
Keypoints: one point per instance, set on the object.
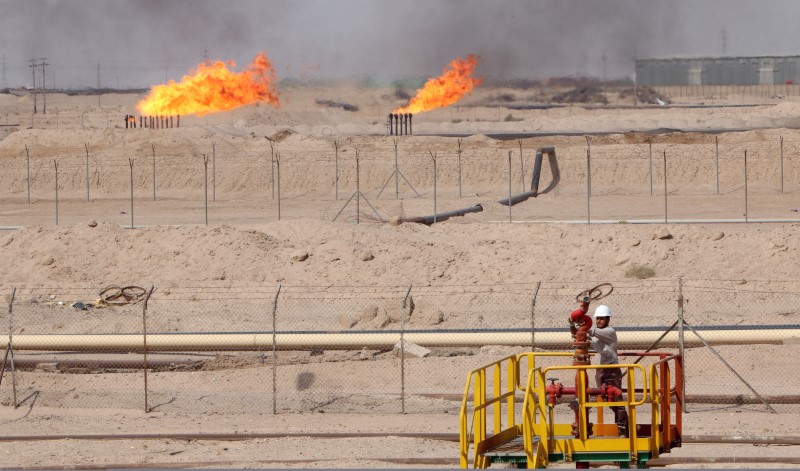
(446, 89)
(213, 88)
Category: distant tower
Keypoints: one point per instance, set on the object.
(4, 82)
(724, 41)
(604, 59)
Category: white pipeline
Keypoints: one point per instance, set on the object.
(377, 340)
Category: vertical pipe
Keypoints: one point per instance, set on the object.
(55, 163)
(410, 130)
(396, 173)
(179, 121)
(745, 186)
(391, 130)
(278, 169)
(781, 164)
(154, 171)
(459, 167)
(397, 124)
(336, 152)
(28, 156)
(509, 186)
(205, 183)
(650, 153)
(665, 187)
(588, 186)
(214, 171)
(275, 353)
(716, 140)
(87, 172)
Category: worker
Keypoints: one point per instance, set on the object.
(604, 342)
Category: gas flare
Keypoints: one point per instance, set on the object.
(213, 88)
(455, 82)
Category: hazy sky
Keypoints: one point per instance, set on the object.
(142, 42)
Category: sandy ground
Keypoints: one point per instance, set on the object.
(245, 248)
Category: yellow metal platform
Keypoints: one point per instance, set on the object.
(531, 437)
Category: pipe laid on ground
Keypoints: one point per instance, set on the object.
(535, 177)
(375, 340)
(439, 217)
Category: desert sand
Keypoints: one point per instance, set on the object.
(244, 252)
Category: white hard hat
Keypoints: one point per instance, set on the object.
(602, 311)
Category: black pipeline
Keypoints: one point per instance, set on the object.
(537, 171)
(428, 220)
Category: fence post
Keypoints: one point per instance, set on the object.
(213, 171)
(509, 186)
(521, 167)
(154, 171)
(144, 344)
(407, 303)
(278, 166)
(650, 143)
(716, 139)
(396, 173)
(588, 186)
(336, 153)
(10, 346)
(272, 167)
(781, 164)
(745, 187)
(666, 220)
(459, 166)
(358, 189)
(87, 171)
(433, 157)
(205, 183)
(28, 154)
(55, 163)
(275, 353)
(680, 339)
(533, 316)
(130, 163)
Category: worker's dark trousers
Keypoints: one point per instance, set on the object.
(613, 377)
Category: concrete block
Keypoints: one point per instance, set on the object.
(411, 350)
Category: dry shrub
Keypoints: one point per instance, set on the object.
(641, 272)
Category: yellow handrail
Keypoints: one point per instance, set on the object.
(477, 379)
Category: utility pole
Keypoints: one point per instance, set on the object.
(44, 86)
(33, 70)
(4, 83)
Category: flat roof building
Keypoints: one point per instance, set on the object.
(739, 70)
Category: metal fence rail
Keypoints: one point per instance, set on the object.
(278, 349)
(743, 177)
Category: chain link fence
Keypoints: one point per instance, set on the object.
(348, 349)
(739, 177)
